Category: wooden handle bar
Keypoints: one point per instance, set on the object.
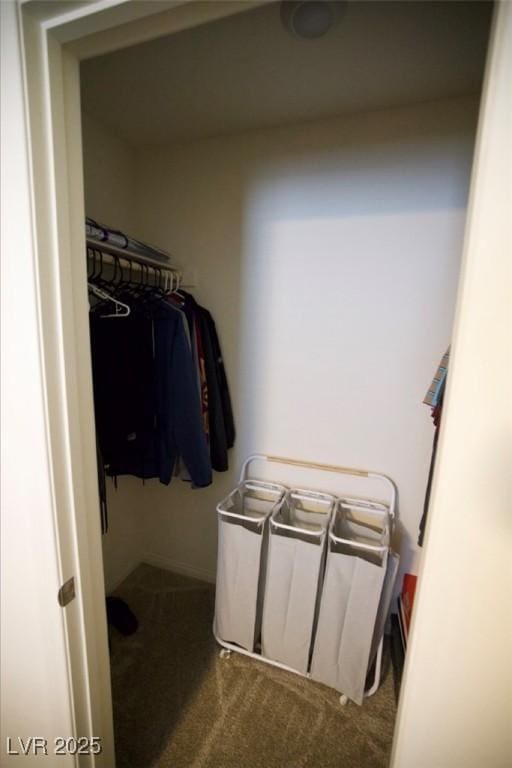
(314, 465)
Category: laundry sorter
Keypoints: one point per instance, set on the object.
(305, 576)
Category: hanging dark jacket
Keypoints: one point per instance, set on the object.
(180, 429)
(146, 398)
(124, 392)
(222, 431)
(227, 410)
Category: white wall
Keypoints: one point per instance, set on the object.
(329, 255)
(109, 182)
(109, 185)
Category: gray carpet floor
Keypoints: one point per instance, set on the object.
(176, 703)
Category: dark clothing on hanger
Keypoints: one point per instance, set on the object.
(204, 396)
(145, 392)
(217, 432)
(124, 391)
(220, 375)
(216, 401)
(153, 371)
(102, 489)
(179, 417)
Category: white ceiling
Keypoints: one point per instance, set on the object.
(247, 71)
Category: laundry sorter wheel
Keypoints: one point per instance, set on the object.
(343, 700)
(225, 653)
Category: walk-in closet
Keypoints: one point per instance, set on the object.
(292, 180)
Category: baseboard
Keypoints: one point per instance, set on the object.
(168, 564)
(118, 579)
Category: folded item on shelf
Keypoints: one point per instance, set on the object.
(105, 234)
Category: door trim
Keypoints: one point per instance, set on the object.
(52, 82)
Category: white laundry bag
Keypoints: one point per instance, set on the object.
(353, 602)
(296, 556)
(242, 542)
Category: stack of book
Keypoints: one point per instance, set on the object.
(436, 388)
(405, 605)
(400, 624)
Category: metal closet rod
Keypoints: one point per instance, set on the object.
(124, 253)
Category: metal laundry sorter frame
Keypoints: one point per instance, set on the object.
(263, 523)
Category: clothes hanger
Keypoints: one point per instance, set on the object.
(96, 277)
(90, 258)
(147, 290)
(134, 286)
(121, 309)
(175, 294)
(123, 285)
(157, 288)
(117, 276)
(95, 258)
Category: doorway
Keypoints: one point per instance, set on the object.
(67, 82)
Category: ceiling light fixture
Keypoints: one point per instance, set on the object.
(309, 18)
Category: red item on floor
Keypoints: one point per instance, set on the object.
(408, 592)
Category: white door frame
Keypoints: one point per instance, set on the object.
(455, 707)
(54, 44)
(55, 38)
